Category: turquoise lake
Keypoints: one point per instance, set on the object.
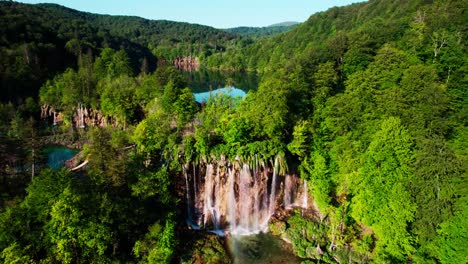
(57, 155)
(231, 91)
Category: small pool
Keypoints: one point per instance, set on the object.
(261, 249)
(57, 155)
(231, 91)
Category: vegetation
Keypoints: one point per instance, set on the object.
(257, 32)
(367, 102)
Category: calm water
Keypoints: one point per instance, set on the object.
(231, 91)
(57, 155)
(204, 80)
(261, 249)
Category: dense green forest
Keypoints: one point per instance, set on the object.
(39, 41)
(368, 103)
(257, 32)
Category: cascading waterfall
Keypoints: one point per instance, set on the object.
(187, 195)
(195, 200)
(237, 198)
(288, 189)
(208, 199)
(273, 188)
(304, 195)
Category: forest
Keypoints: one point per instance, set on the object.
(366, 104)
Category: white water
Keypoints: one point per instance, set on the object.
(187, 195)
(234, 198)
(305, 195)
(273, 188)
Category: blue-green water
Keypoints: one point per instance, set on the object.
(57, 155)
(261, 249)
(231, 91)
(205, 80)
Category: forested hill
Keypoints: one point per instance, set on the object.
(256, 32)
(151, 33)
(353, 33)
(38, 41)
(366, 103)
(371, 99)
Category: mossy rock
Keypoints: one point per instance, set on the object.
(278, 228)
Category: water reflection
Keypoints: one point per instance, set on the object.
(204, 80)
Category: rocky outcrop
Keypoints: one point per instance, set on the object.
(187, 63)
(48, 112)
(81, 118)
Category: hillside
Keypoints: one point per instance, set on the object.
(359, 28)
(353, 148)
(257, 32)
(37, 41)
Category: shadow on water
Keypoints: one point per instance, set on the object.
(261, 249)
(204, 80)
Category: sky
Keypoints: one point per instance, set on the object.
(215, 13)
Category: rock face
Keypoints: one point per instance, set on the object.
(48, 112)
(239, 198)
(82, 117)
(187, 63)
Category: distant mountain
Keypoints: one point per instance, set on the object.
(256, 32)
(284, 24)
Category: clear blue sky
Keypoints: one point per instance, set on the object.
(215, 13)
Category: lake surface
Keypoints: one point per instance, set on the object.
(204, 80)
(261, 249)
(57, 155)
(231, 91)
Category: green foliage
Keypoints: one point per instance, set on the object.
(452, 238)
(308, 238)
(383, 199)
(158, 244)
(301, 140)
(151, 134)
(15, 254)
(117, 98)
(153, 183)
(107, 163)
(68, 231)
(258, 32)
(111, 64)
(320, 179)
(367, 102)
(277, 228)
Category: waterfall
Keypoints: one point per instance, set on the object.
(232, 200)
(208, 202)
(304, 195)
(187, 192)
(288, 185)
(273, 188)
(80, 113)
(218, 199)
(256, 192)
(237, 197)
(244, 199)
(195, 200)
